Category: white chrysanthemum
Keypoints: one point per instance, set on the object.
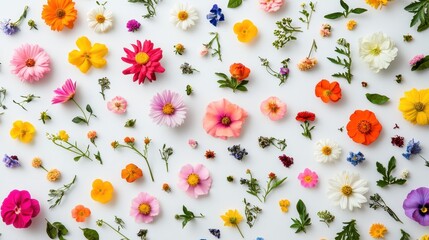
(327, 151)
(347, 190)
(100, 19)
(184, 16)
(377, 50)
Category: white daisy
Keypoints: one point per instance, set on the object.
(100, 19)
(327, 151)
(377, 50)
(184, 16)
(347, 190)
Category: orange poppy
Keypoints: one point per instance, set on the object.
(328, 91)
(59, 14)
(363, 127)
(80, 213)
(239, 71)
(131, 173)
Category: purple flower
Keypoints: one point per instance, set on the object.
(11, 162)
(9, 28)
(284, 70)
(133, 25)
(215, 15)
(416, 205)
(355, 158)
(412, 148)
(168, 108)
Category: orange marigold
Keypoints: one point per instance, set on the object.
(363, 127)
(59, 14)
(328, 91)
(131, 173)
(80, 213)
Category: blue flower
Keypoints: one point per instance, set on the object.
(9, 28)
(412, 148)
(259, 238)
(355, 159)
(215, 15)
(11, 161)
(215, 232)
(237, 152)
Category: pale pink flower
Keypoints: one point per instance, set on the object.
(271, 5)
(193, 143)
(308, 178)
(117, 105)
(65, 93)
(18, 208)
(416, 59)
(30, 63)
(325, 30)
(144, 208)
(204, 51)
(274, 108)
(195, 181)
(168, 108)
(224, 119)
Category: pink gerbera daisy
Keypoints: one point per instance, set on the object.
(144, 208)
(274, 108)
(30, 63)
(224, 119)
(168, 108)
(308, 178)
(196, 181)
(65, 93)
(117, 105)
(145, 61)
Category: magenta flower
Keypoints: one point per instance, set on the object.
(168, 108)
(145, 61)
(30, 63)
(65, 93)
(133, 25)
(308, 178)
(416, 205)
(18, 208)
(144, 208)
(195, 181)
(117, 105)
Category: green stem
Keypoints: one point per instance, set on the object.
(23, 15)
(313, 45)
(71, 147)
(239, 230)
(84, 115)
(142, 155)
(114, 229)
(41, 166)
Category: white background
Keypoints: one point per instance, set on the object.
(297, 92)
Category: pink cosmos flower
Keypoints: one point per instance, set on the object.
(18, 208)
(144, 208)
(274, 108)
(416, 59)
(196, 181)
(168, 108)
(117, 105)
(145, 61)
(308, 178)
(271, 5)
(30, 63)
(65, 93)
(224, 119)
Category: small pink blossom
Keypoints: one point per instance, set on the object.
(196, 181)
(325, 30)
(144, 208)
(117, 105)
(18, 208)
(193, 143)
(271, 5)
(204, 51)
(308, 178)
(416, 59)
(274, 108)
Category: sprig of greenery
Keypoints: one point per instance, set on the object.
(187, 68)
(272, 184)
(232, 83)
(349, 231)
(304, 220)
(27, 99)
(217, 49)
(142, 234)
(281, 76)
(253, 187)
(150, 7)
(84, 119)
(56, 229)
(345, 62)
(119, 222)
(251, 212)
(420, 9)
(44, 116)
(387, 174)
(104, 84)
(130, 123)
(187, 216)
(346, 12)
(165, 154)
(285, 32)
(326, 217)
(268, 141)
(307, 15)
(405, 235)
(74, 148)
(3, 93)
(58, 194)
(375, 202)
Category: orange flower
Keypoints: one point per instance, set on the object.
(59, 14)
(245, 31)
(328, 91)
(129, 140)
(80, 213)
(363, 127)
(239, 71)
(131, 173)
(102, 191)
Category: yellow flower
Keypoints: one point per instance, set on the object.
(284, 205)
(63, 136)
(53, 175)
(425, 237)
(88, 55)
(24, 131)
(377, 3)
(351, 24)
(102, 191)
(377, 230)
(231, 218)
(245, 31)
(415, 106)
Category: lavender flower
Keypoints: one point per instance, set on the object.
(133, 25)
(8, 27)
(416, 205)
(11, 162)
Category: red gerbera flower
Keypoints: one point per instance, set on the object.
(305, 116)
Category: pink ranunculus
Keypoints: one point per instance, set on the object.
(117, 105)
(65, 93)
(308, 178)
(224, 119)
(144, 208)
(18, 208)
(196, 181)
(271, 5)
(274, 108)
(30, 63)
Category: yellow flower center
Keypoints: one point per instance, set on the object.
(308, 179)
(60, 13)
(141, 58)
(144, 208)
(347, 190)
(100, 18)
(193, 179)
(168, 109)
(30, 62)
(424, 209)
(419, 107)
(273, 107)
(226, 121)
(233, 220)
(182, 15)
(327, 93)
(364, 127)
(23, 132)
(326, 150)
(375, 51)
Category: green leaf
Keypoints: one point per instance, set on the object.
(88, 108)
(222, 75)
(334, 15)
(391, 165)
(382, 183)
(241, 88)
(376, 98)
(349, 231)
(358, 10)
(304, 219)
(77, 158)
(90, 234)
(422, 64)
(405, 235)
(62, 230)
(78, 120)
(344, 5)
(380, 168)
(414, 7)
(51, 230)
(234, 3)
